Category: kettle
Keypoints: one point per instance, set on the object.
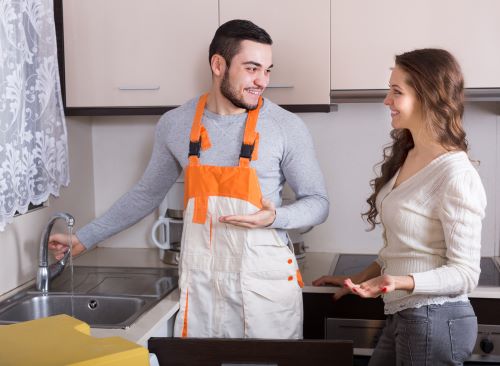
(166, 232)
(169, 242)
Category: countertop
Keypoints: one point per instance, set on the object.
(312, 266)
(147, 324)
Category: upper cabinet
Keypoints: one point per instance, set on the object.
(301, 45)
(366, 35)
(122, 53)
(153, 54)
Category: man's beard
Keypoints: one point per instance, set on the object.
(227, 91)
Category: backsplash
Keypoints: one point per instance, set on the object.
(348, 144)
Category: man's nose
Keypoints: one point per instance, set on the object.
(261, 80)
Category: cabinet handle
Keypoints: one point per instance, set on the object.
(139, 87)
(280, 86)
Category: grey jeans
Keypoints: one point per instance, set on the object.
(430, 335)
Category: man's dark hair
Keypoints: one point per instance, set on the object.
(228, 37)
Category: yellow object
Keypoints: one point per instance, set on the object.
(63, 340)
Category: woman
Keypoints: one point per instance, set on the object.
(430, 202)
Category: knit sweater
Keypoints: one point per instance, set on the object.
(432, 231)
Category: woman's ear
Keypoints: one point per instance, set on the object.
(218, 65)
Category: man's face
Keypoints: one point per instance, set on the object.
(247, 77)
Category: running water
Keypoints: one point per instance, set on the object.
(70, 263)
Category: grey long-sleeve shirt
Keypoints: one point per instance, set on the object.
(286, 153)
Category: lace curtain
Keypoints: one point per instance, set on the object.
(33, 138)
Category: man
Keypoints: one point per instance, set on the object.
(237, 276)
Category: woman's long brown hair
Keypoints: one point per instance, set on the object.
(438, 82)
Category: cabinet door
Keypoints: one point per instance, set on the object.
(366, 35)
(301, 48)
(137, 53)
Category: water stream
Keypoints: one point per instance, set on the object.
(70, 263)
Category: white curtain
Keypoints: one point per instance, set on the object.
(33, 139)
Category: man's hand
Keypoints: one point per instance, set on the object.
(262, 218)
(58, 244)
(333, 281)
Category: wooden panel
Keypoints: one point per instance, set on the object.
(367, 35)
(301, 45)
(318, 307)
(486, 310)
(137, 53)
(217, 352)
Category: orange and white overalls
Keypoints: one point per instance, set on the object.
(234, 282)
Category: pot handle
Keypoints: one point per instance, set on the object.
(162, 221)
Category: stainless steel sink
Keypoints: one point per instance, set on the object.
(100, 311)
(103, 297)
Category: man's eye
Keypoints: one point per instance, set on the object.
(252, 69)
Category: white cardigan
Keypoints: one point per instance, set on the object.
(432, 231)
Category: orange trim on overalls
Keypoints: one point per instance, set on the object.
(207, 180)
(185, 322)
(299, 279)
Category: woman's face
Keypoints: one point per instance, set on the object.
(402, 100)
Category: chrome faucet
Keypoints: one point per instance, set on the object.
(45, 272)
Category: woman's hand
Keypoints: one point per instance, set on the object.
(333, 281)
(58, 245)
(380, 285)
(370, 272)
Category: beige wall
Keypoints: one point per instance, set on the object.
(348, 145)
(122, 147)
(20, 241)
(109, 154)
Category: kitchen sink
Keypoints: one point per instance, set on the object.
(103, 297)
(100, 311)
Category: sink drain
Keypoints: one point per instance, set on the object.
(93, 304)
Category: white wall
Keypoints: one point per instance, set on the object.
(348, 143)
(19, 243)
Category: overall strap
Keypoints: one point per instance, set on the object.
(196, 132)
(250, 145)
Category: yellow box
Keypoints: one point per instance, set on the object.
(63, 340)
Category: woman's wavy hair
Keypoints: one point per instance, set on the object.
(438, 82)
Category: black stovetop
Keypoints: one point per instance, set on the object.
(349, 264)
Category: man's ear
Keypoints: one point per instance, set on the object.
(218, 65)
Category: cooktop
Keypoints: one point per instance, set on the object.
(348, 264)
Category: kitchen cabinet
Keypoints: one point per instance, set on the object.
(365, 37)
(301, 46)
(320, 306)
(129, 53)
(285, 352)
